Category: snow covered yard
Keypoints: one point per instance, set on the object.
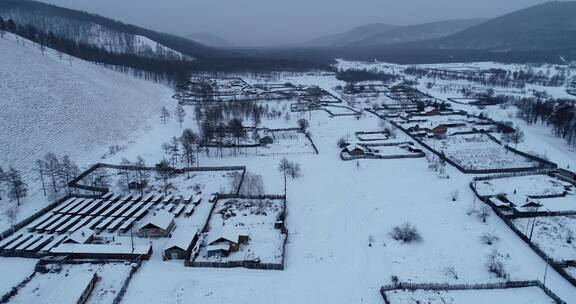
(66, 284)
(14, 271)
(555, 235)
(526, 295)
(251, 219)
(530, 185)
(479, 152)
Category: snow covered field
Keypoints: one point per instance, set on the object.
(340, 215)
(527, 295)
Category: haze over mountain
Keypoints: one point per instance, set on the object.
(210, 40)
(356, 34)
(419, 32)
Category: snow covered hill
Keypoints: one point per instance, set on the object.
(67, 106)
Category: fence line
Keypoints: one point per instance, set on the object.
(485, 286)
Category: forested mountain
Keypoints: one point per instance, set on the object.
(419, 32)
(210, 40)
(102, 32)
(356, 34)
(548, 26)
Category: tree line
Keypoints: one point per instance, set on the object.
(558, 114)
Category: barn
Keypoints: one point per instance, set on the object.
(181, 243)
(158, 225)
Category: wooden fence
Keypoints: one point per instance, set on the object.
(486, 286)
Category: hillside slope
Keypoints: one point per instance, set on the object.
(419, 32)
(66, 106)
(546, 26)
(103, 32)
(356, 34)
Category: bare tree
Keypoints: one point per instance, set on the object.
(303, 124)
(40, 168)
(294, 170)
(284, 167)
(126, 171)
(68, 171)
(17, 188)
(12, 214)
(164, 114)
(164, 172)
(188, 141)
(484, 213)
(253, 184)
(142, 174)
(52, 168)
(2, 180)
(180, 113)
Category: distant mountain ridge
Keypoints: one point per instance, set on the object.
(355, 34)
(210, 40)
(420, 32)
(548, 26)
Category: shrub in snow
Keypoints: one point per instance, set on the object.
(454, 195)
(495, 266)
(395, 280)
(406, 233)
(484, 213)
(451, 272)
(569, 236)
(489, 238)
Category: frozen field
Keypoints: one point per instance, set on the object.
(527, 295)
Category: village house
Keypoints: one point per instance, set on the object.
(225, 241)
(430, 111)
(181, 243)
(439, 131)
(159, 225)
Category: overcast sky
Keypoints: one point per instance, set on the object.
(276, 22)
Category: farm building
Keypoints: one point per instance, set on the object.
(266, 140)
(226, 241)
(439, 130)
(158, 225)
(84, 235)
(356, 150)
(181, 244)
(431, 111)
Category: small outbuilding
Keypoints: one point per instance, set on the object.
(159, 225)
(181, 243)
(357, 150)
(439, 130)
(83, 235)
(266, 140)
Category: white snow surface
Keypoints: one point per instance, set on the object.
(65, 106)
